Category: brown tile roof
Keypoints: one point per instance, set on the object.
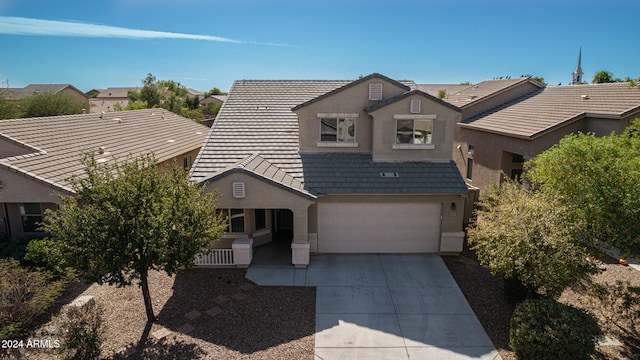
(29, 90)
(473, 94)
(59, 141)
(543, 110)
(257, 118)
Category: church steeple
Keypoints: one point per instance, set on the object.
(577, 74)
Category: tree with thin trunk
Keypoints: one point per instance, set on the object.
(530, 237)
(131, 217)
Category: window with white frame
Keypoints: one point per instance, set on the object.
(414, 131)
(338, 130)
(234, 218)
(31, 216)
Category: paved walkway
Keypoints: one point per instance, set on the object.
(386, 306)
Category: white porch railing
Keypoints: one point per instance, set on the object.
(216, 257)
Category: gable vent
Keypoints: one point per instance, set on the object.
(238, 190)
(415, 106)
(375, 91)
(389, 174)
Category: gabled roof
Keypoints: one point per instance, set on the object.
(539, 112)
(258, 167)
(342, 173)
(116, 92)
(256, 133)
(397, 98)
(30, 90)
(352, 84)
(53, 145)
(474, 94)
(257, 118)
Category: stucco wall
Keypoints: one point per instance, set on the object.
(350, 100)
(261, 195)
(384, 131)
(489, 149)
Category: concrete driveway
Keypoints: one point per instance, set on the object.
(386, 306)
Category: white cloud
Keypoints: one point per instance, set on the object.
(26, 26)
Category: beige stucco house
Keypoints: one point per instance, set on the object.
(528, 118)
(108, 99)
(336, 167)
(39, 155)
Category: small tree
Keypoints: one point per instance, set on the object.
(604, 76)
(442, 94)
(598, 178)
(47, 103)
(132, 217)
(528, 236)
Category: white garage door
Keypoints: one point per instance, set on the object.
(378, 228)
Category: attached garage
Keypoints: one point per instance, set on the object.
(358, 227)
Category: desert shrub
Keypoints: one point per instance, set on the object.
(546, 329)
(82, 332)
(24, 296)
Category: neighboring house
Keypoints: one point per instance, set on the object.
(214, 99)
(500, 137)
(30, 90)
(39, 155)
(106, 99)
(359, 166)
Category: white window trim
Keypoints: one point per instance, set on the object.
(413, 146)
(397, 146)
(414, 116)
(337, 144)
(337, 116)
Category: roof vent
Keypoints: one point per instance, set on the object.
(238, 189)
(388, 174)
(584, 97)
(375, 91)
(415, 106)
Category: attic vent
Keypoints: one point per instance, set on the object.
(415, 106)
(584, 97)
(389, 174)
(375, 91)
(238, 190)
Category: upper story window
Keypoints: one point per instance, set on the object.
(414, 131)
(338, 130)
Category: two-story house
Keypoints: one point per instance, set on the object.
(360, 166)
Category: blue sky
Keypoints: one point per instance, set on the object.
(210, 43)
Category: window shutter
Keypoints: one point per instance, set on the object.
(238, 190)
(415, 106)
(375, 91)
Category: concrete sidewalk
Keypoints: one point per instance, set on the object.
(386, 306)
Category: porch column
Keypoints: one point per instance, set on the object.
(300, 243)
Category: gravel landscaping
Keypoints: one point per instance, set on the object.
(485, 294)
(217, 313)
(202, 313)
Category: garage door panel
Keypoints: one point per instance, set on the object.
(367, 227)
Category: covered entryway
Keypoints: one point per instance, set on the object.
(356, 227)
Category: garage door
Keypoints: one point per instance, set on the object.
(378, 228)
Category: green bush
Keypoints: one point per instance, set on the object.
(15, 248)
(24, 296)
(545, 329)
